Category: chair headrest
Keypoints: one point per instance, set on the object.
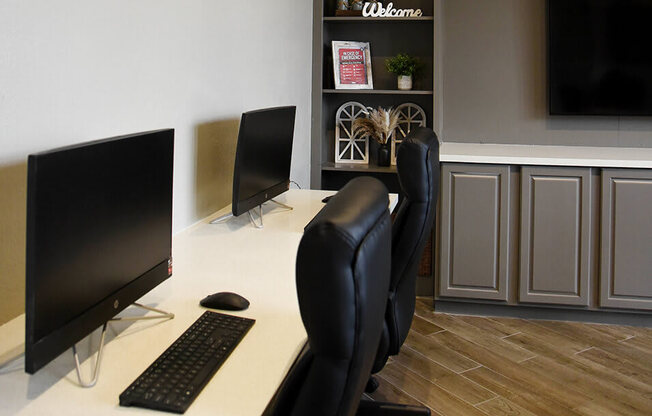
(352, 211)
(415, 159)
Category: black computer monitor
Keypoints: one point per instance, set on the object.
(263, 156)
(99, 236)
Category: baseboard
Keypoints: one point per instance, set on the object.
(533, 312)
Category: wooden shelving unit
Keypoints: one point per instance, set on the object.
(387, 37)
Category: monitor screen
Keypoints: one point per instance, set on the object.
(99, 227)
(600, 57)
(263, 157)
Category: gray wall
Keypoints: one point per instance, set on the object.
(77, 70)
(493, 81)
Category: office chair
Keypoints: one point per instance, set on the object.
(417, 163)
(342, 273)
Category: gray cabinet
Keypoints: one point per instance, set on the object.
(555, 235)
(575, 239)
(626, 239)
(474, 231)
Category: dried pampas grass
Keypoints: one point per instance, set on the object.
(379, 125)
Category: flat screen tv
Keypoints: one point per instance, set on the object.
(99, 227)
(600, 57)
(263, 157)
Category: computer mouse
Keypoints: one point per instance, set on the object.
(326, 199)
(228, 301)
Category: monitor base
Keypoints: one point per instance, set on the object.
(260, 213)
(96, 371)
(228, 216)
(222, 218)
(280, 204)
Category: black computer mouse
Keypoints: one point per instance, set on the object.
(226, 301)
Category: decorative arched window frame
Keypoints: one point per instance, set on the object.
(348, 149)
(410, 116)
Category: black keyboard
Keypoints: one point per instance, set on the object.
(177, 377)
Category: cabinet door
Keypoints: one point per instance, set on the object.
(474, 231)
(626, 240)
(555, 235)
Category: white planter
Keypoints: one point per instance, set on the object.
(405, 82)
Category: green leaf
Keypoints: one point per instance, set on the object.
(403, 64)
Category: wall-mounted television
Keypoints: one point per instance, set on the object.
(600, 57)
(99, 236)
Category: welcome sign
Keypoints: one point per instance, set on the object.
(374, 9)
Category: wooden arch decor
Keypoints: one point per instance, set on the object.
(347, 149)
(410, 116)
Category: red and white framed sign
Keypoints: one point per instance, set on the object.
(352, 65)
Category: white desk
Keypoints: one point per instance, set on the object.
(234, 256)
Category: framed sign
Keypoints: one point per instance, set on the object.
(352, 65)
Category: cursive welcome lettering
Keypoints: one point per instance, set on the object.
(377, 10)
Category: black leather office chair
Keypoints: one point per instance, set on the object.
(417, 163)
(342, 272)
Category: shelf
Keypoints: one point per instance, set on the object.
(344, 19)
(386, 92)
(356, 167)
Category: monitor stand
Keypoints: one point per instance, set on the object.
(96, 371)
(226, 217)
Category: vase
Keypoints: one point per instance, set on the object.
(384, 154)
(405, 82)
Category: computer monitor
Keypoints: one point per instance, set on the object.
(99, 236)
(263, 156)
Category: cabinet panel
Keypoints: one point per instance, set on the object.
(555, 235)
(626, 240)
(475, 231)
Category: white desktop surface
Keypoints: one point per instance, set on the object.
(233, 256)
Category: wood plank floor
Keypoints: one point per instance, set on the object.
(469, 365)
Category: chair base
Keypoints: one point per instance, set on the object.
(372, 385)
(372, 408)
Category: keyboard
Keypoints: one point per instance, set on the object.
(178, 375)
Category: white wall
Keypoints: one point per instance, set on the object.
(76, 70)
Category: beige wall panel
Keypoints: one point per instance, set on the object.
(13, 185)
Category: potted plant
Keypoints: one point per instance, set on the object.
(378, 125)
(404, 66)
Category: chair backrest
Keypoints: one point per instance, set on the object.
(417, 163)
(342, 272)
